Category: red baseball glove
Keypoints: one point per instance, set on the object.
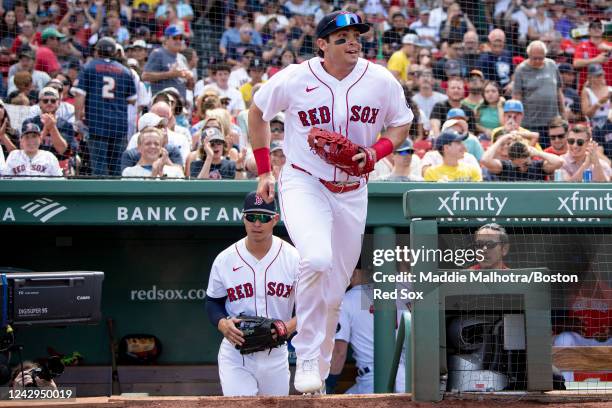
(338, 150)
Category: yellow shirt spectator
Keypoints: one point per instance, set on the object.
(461, 172)
(151, 3)
(399, 62)
(247, 90)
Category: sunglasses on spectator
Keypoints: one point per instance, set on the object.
(178, 38)
(263, 218)
(579, 142)
(48, 100)
(413, 73)
(559, 136)
(217, 143)
(277, 130)
(212, 127)
(486, 244)
(405, 152)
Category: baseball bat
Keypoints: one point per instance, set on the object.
(116, 387)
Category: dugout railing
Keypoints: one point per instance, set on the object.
(421, 332)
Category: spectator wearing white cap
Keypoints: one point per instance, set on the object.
(162, 109)
(131, 156)
(154, 160)
(427, 33)
(166, 66)
(64, 110)
(57, 133)
(139, 50)
(400, 60)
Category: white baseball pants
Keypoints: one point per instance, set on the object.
(327, 229)
(262, 373)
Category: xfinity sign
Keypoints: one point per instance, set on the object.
(458, 201)
(581, 202)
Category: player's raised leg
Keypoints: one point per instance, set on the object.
(308, 218)
(347, 235)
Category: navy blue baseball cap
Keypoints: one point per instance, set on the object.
(338, 20)
(255, 204)
(448, 137)
(29, 127)
(406, 146)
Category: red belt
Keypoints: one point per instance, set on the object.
(334, 186)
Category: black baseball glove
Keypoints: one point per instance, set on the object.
(257, 333)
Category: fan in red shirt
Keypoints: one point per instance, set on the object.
(28, 36)
(557, 132)
(46, 59)
(591, 306)
(593, 51)
(491, 240)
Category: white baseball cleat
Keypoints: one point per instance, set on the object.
(307, 378)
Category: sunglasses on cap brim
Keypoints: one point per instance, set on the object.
(345, 20)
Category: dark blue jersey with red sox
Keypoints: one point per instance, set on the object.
(108, 88)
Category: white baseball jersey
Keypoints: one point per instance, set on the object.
(42, 164)
(254, 287)
(356, 324)
(359, 107)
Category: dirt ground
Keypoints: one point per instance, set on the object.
(335, 401)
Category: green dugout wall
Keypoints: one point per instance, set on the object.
(156, 240)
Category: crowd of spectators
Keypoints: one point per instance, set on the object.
(502, 90)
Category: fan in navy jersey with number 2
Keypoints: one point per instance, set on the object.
(103, 91)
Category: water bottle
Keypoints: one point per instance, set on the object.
(558, 175)
(587, 176)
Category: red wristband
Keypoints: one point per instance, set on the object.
(383, 148)
(262, 158)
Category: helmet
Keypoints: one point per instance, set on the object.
(469, 334)
(106, 47)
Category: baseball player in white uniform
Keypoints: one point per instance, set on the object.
(30, 160)
(255, 276)
(323, 208)
(356, 327)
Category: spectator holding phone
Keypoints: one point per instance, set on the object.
(595, 100)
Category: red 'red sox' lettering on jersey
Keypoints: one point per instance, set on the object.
(261, 287)
(279, 289)
(363, 115)
(240, 292)
(316, 116)
(321, 115)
